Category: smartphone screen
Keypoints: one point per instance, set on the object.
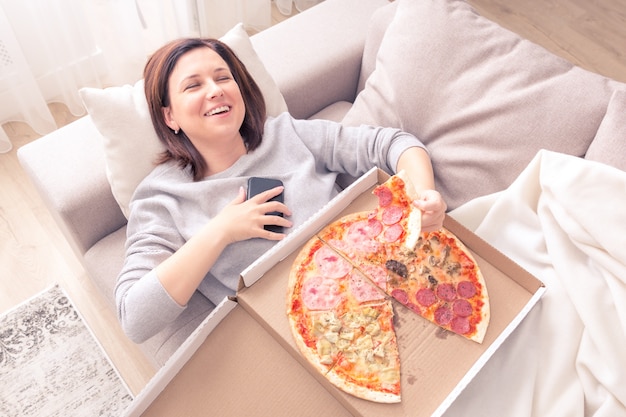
(257, 185)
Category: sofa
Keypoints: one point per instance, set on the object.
(482, 99)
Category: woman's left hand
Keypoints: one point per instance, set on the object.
(433, 208)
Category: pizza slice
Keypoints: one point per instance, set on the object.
(433, 274)
(401, 221)
(394, 225)
(342, 325)
(441, 281)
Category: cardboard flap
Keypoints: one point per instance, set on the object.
(240, 370)
(176, 362)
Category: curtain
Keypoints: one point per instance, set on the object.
(285, 6)
(49, 49)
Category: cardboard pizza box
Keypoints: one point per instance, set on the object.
(242, 360)
(436, 365)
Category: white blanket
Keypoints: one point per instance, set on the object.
(564, 220)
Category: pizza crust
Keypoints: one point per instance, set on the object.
(409, 188)
(481, 327)
(362, 392)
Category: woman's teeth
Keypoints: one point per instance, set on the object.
(218, 110)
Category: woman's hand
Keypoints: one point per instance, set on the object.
(244, 219)
(182, 272)
(416, 163)
(433, 209)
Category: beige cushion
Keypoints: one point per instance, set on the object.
(609, 145)
(482, 99)
(376, 31)
(130, 142)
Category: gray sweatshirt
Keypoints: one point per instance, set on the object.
(168, 207)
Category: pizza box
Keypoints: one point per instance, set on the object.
(436, 365)
(242, 359)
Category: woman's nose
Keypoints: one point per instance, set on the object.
(214, 91)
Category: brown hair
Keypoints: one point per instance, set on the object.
(156, 78)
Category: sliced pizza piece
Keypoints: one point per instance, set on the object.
(343, 325)
(433, 274)
(367, 361)
(441, 281)
(401, 220)
(376, 236)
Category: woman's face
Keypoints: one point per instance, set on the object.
(205, 100)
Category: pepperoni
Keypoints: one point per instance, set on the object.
(466, 289)
(460, 325)
(330, 264)
(362, 290)
(392, 215)
(385, 197)
(393, 233)
(426, 297)
(320, 293)
(462, 308)
(443, 315)
(400, 295)
(446, 292)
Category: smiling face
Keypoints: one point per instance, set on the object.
(205, 101)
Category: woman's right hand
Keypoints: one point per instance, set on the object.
(241, 219)
(244, 219)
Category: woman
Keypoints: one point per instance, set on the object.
(191, 228)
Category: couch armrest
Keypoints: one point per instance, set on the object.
(315, 56)
(68, 170)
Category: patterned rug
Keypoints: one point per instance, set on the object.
(51, 365)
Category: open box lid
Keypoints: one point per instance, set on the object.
(436, 365)
(179, 359)
(232, 366)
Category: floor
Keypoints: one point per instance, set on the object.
(33, 253)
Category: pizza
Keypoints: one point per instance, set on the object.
(345, 279)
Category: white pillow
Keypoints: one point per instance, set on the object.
(130, 142)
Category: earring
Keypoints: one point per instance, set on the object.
(176, 132)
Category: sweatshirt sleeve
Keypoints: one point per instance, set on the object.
(143, 305)
(355, 150)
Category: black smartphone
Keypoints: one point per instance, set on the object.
(257, 185)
